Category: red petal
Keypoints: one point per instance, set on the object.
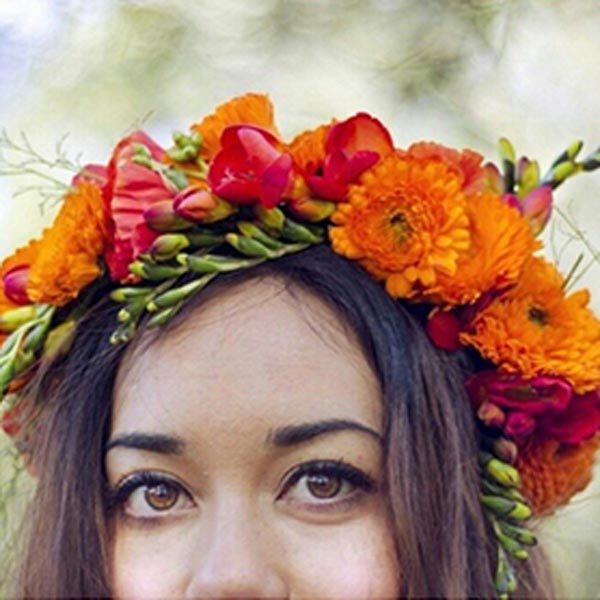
(360, 132)
(579, 422)
(274, 181)
(328, 189)
(443, 328)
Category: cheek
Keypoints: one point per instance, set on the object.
(148, 565)
(350, 561)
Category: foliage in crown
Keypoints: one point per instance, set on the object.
(435, 225)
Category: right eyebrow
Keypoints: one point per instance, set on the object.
(150, 442)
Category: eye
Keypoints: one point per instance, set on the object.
(148, 495)
(326, 483)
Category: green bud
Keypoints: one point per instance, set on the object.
(128, 294)
(203, 239)
(529, 177)
(569, 155)
(35, 338)
(506, 150)
(497, 490)
(23, 360)
(168, 246)
(7, 372)
(59, 339)
(521, 534)
(299, 233)
(512, 546)
(247, 246)
(185, 154)
(141, 150)
(13, 319)
(592, 162)
(506, 580)
(155, 272)
(179, 139)
(272, 218)
(503, 473)
(162, 317)
(174, 296)
(177, 178)
(212, 263)
(505, 507)
(142, 160)
(196, 140)
(122, 334)
(563, 171)
(252, 231)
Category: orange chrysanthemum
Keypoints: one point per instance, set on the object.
(535, 329)
(405, 222)
(466, 163)
(551, 472)
(501, 243)
(250, 109)
(67, 259)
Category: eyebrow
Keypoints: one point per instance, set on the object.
(291, 435)
(282, 437)
(151, 442)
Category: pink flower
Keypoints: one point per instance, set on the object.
(194, 203)
(352, 147)
(131, 190)
(543, 403)
(536, 207)
(250, 167)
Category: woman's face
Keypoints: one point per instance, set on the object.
(245, 457)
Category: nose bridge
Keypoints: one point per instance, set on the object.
(234, 553)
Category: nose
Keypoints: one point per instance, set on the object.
(236, 556)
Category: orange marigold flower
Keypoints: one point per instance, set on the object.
(405, 222)
(501, 243)
(67, 260)
(466, 163)
(535, 329)
(551, 472)
(249, 109)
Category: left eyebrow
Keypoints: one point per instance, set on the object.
(150, 442)
(291, 435)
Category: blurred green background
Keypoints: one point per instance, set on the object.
(459, 72)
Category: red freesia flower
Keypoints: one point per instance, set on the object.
(351, 147)
(130, 191)
(250, 167)
(543, 403)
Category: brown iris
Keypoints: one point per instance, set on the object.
(323, 486)
(161, 496)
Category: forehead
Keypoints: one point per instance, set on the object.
(257, 353)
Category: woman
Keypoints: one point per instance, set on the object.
(288, 429)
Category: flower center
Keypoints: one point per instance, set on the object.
(400, 226)
(538, 316)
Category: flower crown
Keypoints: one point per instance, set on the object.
(435, 225)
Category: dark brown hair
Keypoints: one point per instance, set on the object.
(444, 545)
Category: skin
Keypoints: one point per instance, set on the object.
(246, 364)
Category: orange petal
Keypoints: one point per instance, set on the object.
(250, 109)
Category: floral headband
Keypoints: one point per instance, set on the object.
(433, 224)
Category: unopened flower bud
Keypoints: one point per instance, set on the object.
(505, 450)
(193, 203)
(491, 414)
(168, 246)
(222, 210)
(272, 218)
(503, 473)
(15, 284)
(162, 217)
(14, 318)
(311, 210)
(537, 207)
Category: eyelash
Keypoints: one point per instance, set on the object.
(339, 470)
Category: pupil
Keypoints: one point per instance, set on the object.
(323, 486)
(161, 496)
